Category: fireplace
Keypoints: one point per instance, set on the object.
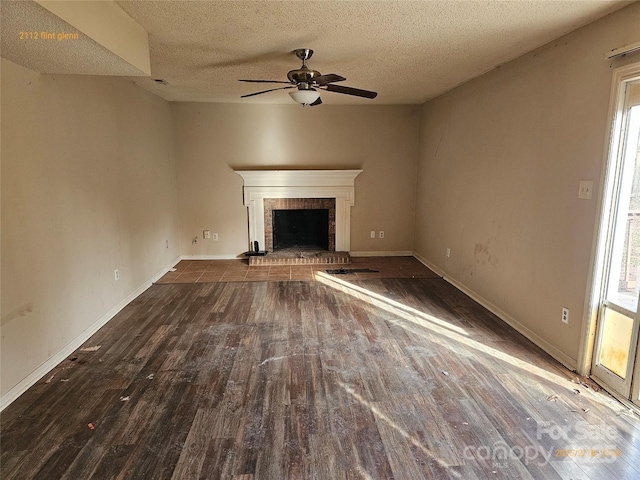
(265, 188)
(300, 222)
(304, 229)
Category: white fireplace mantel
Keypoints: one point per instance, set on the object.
(338, 184)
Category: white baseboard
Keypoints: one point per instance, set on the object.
(560, 356)
(74, 344)
(163, 271)
(401, 253)
(229, 256)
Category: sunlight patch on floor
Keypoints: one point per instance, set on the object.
(382, 417)
(410, 313)
(435, 325)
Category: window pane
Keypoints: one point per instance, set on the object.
(624, 270)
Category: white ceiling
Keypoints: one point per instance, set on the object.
(407, 51)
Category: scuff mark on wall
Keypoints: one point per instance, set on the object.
(21, 311)
(482, 254)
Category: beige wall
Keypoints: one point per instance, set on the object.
(500, 161)
(88, 186)
(212, 140)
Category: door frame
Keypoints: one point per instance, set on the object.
(601, 239)
(635, 384)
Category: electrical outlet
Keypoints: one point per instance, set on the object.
(381, 234)
(206, 234)
(373, 234)
(214, 237)
(116, 274)
(586, 189)
(448, 252)
(565, 315)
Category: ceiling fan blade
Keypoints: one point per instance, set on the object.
(264, 81)
(265, 91)
(351, 91)
(328, 78)
(317, 102)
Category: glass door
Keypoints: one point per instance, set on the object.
(616, 349)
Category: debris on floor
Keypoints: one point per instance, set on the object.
(124, 399)
(584, 410)
(50, 378)
(150, 376)
(625, 412)
(552, 398)
(91, 349)
(587, 383)
(347, 271)
(91, 426)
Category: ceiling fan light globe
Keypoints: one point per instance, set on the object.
(305, 97)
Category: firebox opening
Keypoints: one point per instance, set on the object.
(307, 228)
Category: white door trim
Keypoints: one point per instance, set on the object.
(601, 236)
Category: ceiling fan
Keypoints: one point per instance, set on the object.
(307, 82)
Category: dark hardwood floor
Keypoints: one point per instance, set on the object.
(328, 379)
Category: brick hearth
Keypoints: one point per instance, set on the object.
(296, 256)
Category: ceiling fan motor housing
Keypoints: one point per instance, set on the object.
(302, 75)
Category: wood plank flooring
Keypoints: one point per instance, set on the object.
(329, 379)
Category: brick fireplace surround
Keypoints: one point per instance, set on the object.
(265, 188)
(271, 204)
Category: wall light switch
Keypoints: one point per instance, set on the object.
(373, 234)
(206, 234)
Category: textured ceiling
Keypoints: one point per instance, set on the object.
(23, 25)
(408, 51)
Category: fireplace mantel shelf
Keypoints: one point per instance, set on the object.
(338, 184)
(298, 178)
